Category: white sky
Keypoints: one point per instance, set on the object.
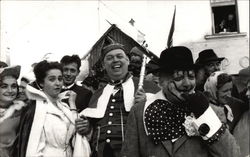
(31, 29)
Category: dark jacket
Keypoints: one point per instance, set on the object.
(241, 134)
(26, 121)
(82, 98)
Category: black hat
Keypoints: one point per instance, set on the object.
(176, 58)
(111, 47)
(152, 67)
(206, 56)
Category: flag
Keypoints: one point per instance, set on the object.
(171, 32)
(140, 37)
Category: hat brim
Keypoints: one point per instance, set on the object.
(170, 70)
(11, 71)
(200, 63)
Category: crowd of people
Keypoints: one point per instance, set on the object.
(191, 109)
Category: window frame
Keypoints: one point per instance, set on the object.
(221, 4)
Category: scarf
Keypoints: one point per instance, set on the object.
(102, 103)
(211, 85)
(16, 106)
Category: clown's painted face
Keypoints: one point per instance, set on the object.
(181, 82)
(184, 81)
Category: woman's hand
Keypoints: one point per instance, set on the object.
(197, 103)
(72, 98)
(18, 104)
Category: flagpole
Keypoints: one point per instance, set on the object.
(171, 31)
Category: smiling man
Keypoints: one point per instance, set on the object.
(109, 106)
(71, 68)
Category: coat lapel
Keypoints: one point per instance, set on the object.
(168, 146)
(179, 142)
(172, 148)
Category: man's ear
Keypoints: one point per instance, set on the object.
(127, 58)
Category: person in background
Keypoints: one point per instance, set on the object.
(10, 109)
(177, 121)
(228, 24)
(241, 83)
(71, 68)
(241, 130)
(22, 88)
(109, 106)
(218, 88)
(207, 63)
(135, 58)
(47, 124)
(152, 73)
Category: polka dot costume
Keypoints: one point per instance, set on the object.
(164, 120)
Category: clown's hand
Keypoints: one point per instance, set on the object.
(207, 122)
(197, 103)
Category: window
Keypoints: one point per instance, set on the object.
(225, 16)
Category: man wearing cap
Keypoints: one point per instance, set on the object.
(135, 57)
(22, 88)
(207, 63)
(174, 121)
(109, 106)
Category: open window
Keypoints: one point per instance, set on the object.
(225, 16)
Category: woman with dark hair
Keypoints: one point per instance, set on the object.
(47, 125)
(218, 87)
(9, 109)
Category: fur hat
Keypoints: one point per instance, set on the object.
(137, 51)
(111, 47)
(206, 56)
(176, 58)
(10, 71)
